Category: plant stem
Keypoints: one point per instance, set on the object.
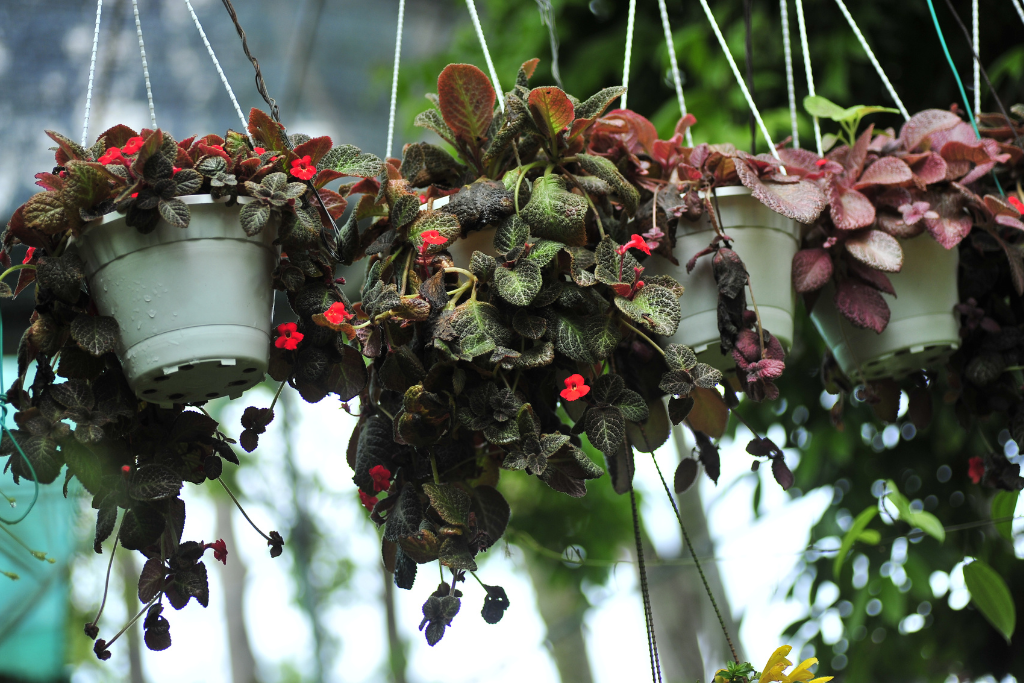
(597, 216)
(38, 554)
(276, 396)
(240, 509)
(405, 273)
(522, 174)
(433, 468)
(106, 584)
(20, 266)
(693, 554)
(644, 336)
(133, 620)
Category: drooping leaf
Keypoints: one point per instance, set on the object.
(1003, 506)
(686, 475)
(655, 307)
(876, 249)
(802, 201)
(605, 429)
(350, 161)
(449, 501)
(154, 482)
(992, 597)
(96, 334)
(812, 269)
(605, 170)
(862, 305)
(520, 284)
(860, 523)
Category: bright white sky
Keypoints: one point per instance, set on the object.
(512, 649)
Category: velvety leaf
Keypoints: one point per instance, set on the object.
(686, 474)
(424, 164)
(449, 501)
(45, 212)
(350, 161)
(432, 120)
(862, 305)
(512, 232)
(267, 132)
(151, 581)
(446, 225)
(404, 519)
(347, 377)
(924, 123)
(556, 214)
(154, 482)
(605, 170)
(782, 473)
(254, 217)
(466, 99)
(568, 333)
(64, 276)
(455, 554)
(595, 105)
(656, 308)
(87, 184)
(141, 526)
(850, 209)
(680, 357)
(520, 284)
(991, 596)
(492, 511)
(876, 249)
(602, 334)
(885, 171)
(875, 278)
(709, 414)
(812, 269)
(605, 429)
(95, 333)
(175, 212)
(552, 111)
(952, 224)
(543, 251)
(802, 201)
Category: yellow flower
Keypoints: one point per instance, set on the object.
(774, 670)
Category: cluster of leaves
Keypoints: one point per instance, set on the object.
(883, 188)
(77, 412)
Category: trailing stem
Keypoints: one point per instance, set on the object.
(242, 510)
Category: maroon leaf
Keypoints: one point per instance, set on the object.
(858, 154)
(466, 98)
(931, 168)
(812, 268)
(530, 66)
(117, 136)
(802, 201)
(959, 151)
(316, 148)
(885, 171)
(686, 474)
(782, 473)
(862, 305)
(267, 132)
(952, 223)
(875, 278)
(551, 109)
(850, 209)
(877, 249)
(924, 123)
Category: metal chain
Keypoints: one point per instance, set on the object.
(145, 65)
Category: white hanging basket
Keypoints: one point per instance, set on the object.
(922, 330)
(194, 305)
(765, 240)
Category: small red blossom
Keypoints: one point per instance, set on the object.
(219, 148)
(367, 501)
(176, 169)
(635, 242)
(381, 477)
(273, 159)
(303, 168)
(337, 314)
(133, 145)
(820, 162)
(113, 156)
(220, 550)
(423, 199)
(976, 469)
(126, 469)
(134, 195)
(1016, 203)
(289, 336)
(431, 237)
(575, 388)
(29, 254)
(259, 150)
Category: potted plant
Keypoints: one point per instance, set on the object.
(129, 194)
(884, 191)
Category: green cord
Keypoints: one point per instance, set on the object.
(960, 84)
(3, 427)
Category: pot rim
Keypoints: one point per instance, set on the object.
(190, 199)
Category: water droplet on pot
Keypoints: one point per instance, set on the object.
(148, 298)
(152, 314)
(138, 326)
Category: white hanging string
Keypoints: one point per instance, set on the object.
(629, 50)
(145, 65)
(92, 71)
(874, 61)
(220, 71)
(487, 54)
(807, 70)
(789, 71)
(977, 64)
(676, 79)
(394, 78)
(741, 83)
(1020, 9)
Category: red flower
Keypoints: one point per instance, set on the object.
(113, 156)
(176, 168)
(367, 501)
(303, 168)
(219, 148)
(220, 550)
(289, 336)
(134, 195)
(337, 314)
(820, 162)
(133, 145)
(431, 237)
(976, 469)
(575, 387)
(259, 150)
(635, 242)
(126, 469)
(1016, 203)
(381, 477)
(29, 254)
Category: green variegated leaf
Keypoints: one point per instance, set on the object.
(96, 334)
(555, 213)
(613, 267)
(512, 232)
(542, 251)
(632, 405)
(188, 181)
(581, 259)
(518, 285)
(529, 326)
(349, 160)
(175, 212)
(449, 501)
(656, 308)
(446, 225)
(705, 376)
(254, 217)
(568, 333)
(605, 429)
(606, 171)
(607, 388)
(595, 105)
(666, 281)
(602, 334)
(482, 265)
(550, 443)
(431, 120)
(87, 184)
(537, 357)
(680, 357)
(45, 212)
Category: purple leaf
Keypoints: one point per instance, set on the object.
(862, 305)
(885, 171)
(876, 249)
(782, 473)
(812, 268)
(922, 124)
(850, 209)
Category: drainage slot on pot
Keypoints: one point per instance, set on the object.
(238, 382)
(161, 378)
(212, 394)
(149, 391)
(175, 397)
(248, 370)
(186, 367)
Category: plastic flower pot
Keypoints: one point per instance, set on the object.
(194, 306)
(922, 330)
(765, 240)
